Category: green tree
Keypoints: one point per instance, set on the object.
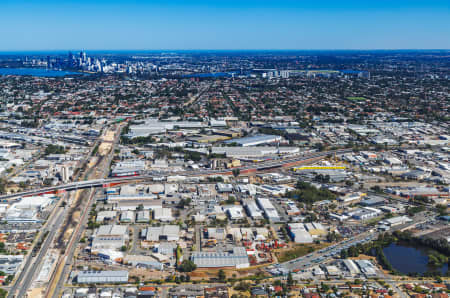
(290, 280)
(187, 266)
(221, 275)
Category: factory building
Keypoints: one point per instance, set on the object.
(351, 267)
(222, 187)
(167, 232)
(102, 277)
(252, 209)
(255, 140)
(299, 234)
(163, 214)
(253, 152)
(269, 210)
(109, 237)
(143, 216)
(127, 216)
(128, 168)
(236, 259)
(105, 215)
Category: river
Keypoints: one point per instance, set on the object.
(36, 72)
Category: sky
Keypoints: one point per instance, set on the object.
(27, 25)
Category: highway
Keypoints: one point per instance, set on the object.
(266, 165)
(57, 280)
(25, 278)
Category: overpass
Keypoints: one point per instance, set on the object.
(108, 182)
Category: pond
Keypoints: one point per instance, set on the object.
(407, 259)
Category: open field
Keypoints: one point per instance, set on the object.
(297, 251)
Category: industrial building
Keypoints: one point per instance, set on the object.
(143, 261)
(105, 215)
(395, 221)
(166, 232)
(163, 214)
(128, 168)
(10, 263)
(143, 216)
(252, 209)
(127, 216)
(255, 140)
(365, 213)
(269, 210)
(109, 237)
(299, 234)
(102, 277)
(351, 267)
(222, 187)
(237, 259)
(253, 152)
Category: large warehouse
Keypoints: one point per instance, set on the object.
(255, 140)
(237, 259)
(102, 277)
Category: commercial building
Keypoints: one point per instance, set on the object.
(102, 277)
(365, 213)
(9, 263)
(236, 259)
(395, 221)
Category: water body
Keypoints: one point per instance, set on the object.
(211, 75)
(36, 72)
(408, 259)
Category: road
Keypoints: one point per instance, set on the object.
(271, 164)
(326, 254)
(62, 271)
(25, 278)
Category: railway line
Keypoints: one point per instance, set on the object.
(107, 182)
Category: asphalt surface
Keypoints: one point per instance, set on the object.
(25, 278)
(326, 254)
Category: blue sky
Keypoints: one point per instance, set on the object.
(214, 24)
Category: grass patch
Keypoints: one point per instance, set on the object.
(356, 98)
(297, 251)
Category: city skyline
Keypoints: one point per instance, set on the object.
(230, 25)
